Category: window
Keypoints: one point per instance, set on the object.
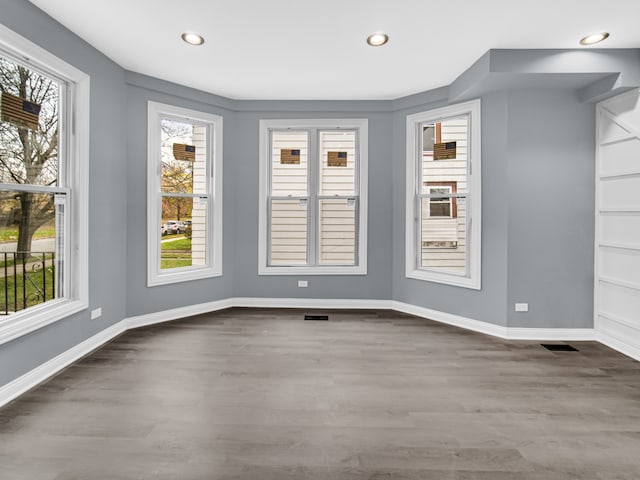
(443, 195)
(313, 197)
(184, 195)
(44, 152)
(445, 205)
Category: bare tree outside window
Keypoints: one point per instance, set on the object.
(30, 185)
(28, 156)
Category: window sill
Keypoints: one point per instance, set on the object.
(182, 276)
(34, 318)
(444, 278)
(293, 270)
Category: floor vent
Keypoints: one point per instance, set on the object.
(559, 347)
(317, 317)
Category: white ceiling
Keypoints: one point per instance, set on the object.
(298, 49)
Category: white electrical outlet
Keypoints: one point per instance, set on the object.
(522, 307)
(303, 283)
(96, 313)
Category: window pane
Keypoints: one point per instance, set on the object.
(29, 126)
(289, 164)
(440, 208)
(289, 232)
(337, 232)
(428, 138)
(183, 229)
(30, 239)
(338, 163)
(184, 156)
(447, 162)
(443, 238)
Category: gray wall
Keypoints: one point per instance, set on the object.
(241, 138)
(141, 299)
(551, 199)
(244, 139)
(107, 193)
(487, 304)
(538, 189)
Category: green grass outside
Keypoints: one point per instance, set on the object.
(167, 263)
(182, 244)
(10, 234)
(32, 293)
(176, 254)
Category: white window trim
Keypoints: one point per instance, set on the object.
(213, 268)
(474, 198)
(363, 143)
(77, 214)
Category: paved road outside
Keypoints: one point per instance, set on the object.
(39, 245)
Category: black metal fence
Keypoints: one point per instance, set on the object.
(26, 279)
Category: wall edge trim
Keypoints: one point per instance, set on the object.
(43, 372)
(620, 345)
(177, 313)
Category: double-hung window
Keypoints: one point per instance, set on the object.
(443, 195)
(184, 206)
(313, 197)
(44, 153)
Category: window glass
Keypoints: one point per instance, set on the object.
(289, 164)
(447, 159)
(184, 173)
(185, 201)
(31, 219)
(311, 190)
(289, 232)
(338, 163)
(443, 197)
(337, 232)
(184, 156)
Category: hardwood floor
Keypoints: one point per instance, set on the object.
(262, 394)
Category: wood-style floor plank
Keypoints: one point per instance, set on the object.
(248, 394)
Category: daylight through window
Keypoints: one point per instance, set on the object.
(443, 195)
(314, 193)
(185, 216)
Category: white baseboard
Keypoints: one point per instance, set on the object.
(450, 319)
(621, 345)
(26, 382)
(177, 313)
(508, 333)
(38, 375)
(315, 303)
(551, 334)
(619, 333)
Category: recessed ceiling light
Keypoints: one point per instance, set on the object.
(193, 38)
(377, 39)
(595, 38)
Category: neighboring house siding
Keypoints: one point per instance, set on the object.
(439, 233)
(199, 211)
(337, 216)
(289, 217)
